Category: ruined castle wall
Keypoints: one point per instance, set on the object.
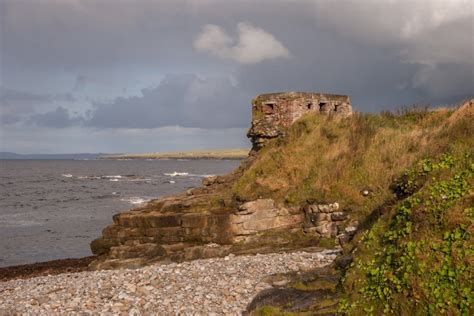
(272, 113)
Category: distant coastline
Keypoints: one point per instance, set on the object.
(4, 155)
(239, 153)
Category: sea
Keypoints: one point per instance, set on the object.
(53, 209)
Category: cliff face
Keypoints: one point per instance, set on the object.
(212, 221)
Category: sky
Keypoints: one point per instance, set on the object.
(118, 76)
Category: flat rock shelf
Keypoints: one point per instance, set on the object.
(218, 285)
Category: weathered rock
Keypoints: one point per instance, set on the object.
(339, 216)
(290, 299)
(327, 229)
(261, 215)
(156, 233)
(207, 181)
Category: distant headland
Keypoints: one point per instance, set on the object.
(239, 153)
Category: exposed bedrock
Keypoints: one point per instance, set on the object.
(169, 229)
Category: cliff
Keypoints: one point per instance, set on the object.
(213, 221)
(321, 175)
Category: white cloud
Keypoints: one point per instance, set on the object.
(252, 46)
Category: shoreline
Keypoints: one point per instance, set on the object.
(45, 268)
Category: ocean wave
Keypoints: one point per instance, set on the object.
(174, 174)
(136, 200)
(19, 223)
(113, 178)
(201, 175)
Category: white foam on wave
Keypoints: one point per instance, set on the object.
(113, 177)
(67, 175)
(174, 174)
(201, 175)
(17, 220)
(89, 177)
(136, 200)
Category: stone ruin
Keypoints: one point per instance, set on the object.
(274, 112)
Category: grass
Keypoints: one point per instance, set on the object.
(330, 159)
(416, 252)
(417, 258)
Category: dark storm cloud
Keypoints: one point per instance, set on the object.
(382, 53)
(185, 100)
(15, 104)
(82, 35)
(59, 118)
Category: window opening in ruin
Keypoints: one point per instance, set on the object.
(336, 107)
(322, 105)
(309, 106)
(268, 108)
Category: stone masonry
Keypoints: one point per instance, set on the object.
(274, 112)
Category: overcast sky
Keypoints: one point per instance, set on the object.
(158, 75)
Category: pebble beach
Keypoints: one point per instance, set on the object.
(208, 286)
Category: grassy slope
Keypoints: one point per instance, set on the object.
(333, 160)
(417, 258)
(239, 153)
(429, 156)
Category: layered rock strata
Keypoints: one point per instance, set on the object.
(169, 229)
